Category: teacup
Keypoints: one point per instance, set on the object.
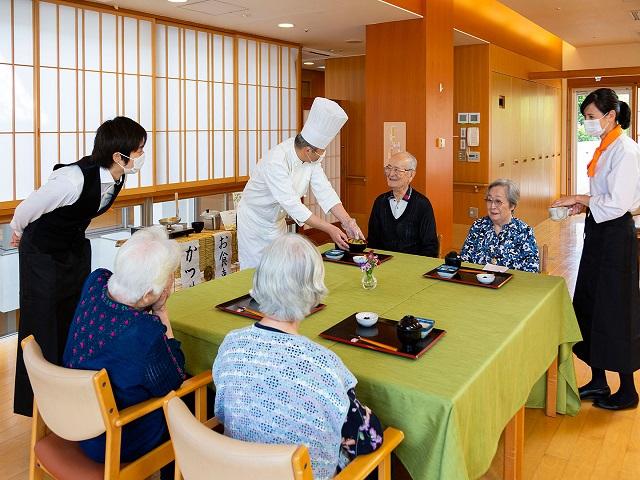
(558, 213)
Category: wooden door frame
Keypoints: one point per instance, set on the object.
(591, 83)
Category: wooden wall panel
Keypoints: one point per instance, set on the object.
(439, 105)
(471, 94)
(415, 6)
(499, 25)
(406, 63)
(312, 80)
(517, 142)
(395, 88)
(345, 80)
(510, 63)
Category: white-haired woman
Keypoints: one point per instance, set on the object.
(121, 324)
(274, 385)
(500, 238)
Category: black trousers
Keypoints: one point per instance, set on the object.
(50, 287)
(607, 297)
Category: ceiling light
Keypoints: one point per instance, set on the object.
(286, 25)
(309, 63)
(353, 41)
(178, 1)
(321, 67)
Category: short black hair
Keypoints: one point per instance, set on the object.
(301, 143)
(118, 135)
(605, 100)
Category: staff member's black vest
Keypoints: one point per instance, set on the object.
(56, 230)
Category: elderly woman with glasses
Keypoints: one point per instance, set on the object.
(499, 238)
(121, 324)
(276, 386)
(402, 219)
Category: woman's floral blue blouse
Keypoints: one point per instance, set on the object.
(514, 247)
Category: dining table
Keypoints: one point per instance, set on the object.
(454, 402)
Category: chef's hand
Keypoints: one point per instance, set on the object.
(338, 236)
(352, 229)
(15, 240)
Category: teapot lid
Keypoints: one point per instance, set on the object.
(409, 322)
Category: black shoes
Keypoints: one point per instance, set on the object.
(587, 392)
(616, 403)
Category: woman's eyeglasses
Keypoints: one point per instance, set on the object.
(396, 170)
(492, 202)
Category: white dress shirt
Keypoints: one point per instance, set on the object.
(63, 188)
(397, 206)
(615, 187)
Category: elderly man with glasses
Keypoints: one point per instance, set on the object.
(402, 219)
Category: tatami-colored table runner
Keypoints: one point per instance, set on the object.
(454, 402)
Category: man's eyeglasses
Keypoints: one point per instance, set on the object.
(396, 170)
(491, 201)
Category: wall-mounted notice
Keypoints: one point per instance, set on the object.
(395, 139)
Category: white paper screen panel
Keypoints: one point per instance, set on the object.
(194, 105)
(219, 101)
(17, 126)
(267, 106)
(94, 66)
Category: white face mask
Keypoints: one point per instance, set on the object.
(593, 127)
(138, 162)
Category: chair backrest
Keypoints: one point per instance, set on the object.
(200, 451)
(440, 249)
(66, 398)
(544, 259)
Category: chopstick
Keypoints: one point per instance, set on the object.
(253, 312)
(377, 344)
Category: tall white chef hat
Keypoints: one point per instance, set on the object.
(325, 120)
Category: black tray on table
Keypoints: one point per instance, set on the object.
(467, 276)
(347, 259)
(246, 306)
(384, 332)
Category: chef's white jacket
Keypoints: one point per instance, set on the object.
(273, 191)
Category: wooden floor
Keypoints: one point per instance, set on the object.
(595, 444)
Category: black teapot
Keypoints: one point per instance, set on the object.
(453, 259)
(409, 331)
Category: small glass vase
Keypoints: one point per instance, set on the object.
(369, 280)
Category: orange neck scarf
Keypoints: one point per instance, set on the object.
(604, 144)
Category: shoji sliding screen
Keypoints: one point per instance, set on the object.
(195, 107)
(267, 99)
(93, 67)
(17, 122)
(212, 103)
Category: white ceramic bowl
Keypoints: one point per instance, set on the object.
(367, 319)
(486, 278)
(360, 259)
(558, 213)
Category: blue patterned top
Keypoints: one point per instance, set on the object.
(514, 247)
(283, 389)
(141, 362)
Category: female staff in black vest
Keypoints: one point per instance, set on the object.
(54, 255)
(607, 298)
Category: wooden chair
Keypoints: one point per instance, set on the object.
(200, 451)
(72, 405)
(552, 371)
(440, 252)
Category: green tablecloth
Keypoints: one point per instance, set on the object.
(454, 402)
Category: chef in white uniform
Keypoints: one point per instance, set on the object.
(282, 177)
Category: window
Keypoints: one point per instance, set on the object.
(212, 103)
